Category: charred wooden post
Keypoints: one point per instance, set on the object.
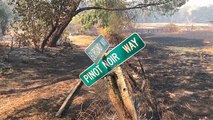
(125, 92)
(114, 96)
(120, 96)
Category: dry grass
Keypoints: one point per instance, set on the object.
(172, 28)
(208, 50)
(82, 40)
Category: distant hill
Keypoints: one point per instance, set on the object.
(184, 15)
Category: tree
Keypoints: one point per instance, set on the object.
(5, 15)
(109, 21)
(31, 21)
(57, 14)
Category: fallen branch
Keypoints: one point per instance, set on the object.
(69, 97)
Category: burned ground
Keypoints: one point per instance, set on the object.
(179, 67)
(181, 73)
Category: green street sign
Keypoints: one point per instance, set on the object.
(122, 52)
(97, 49)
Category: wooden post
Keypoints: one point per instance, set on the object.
(115, 97)
(125, 93)
(120, 95)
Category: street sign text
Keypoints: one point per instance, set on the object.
(116, 56)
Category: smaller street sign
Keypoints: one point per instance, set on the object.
(97, 49)
(119, 54)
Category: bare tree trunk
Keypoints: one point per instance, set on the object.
(44, 43)
(3, 29)
(58, 33)
(46, 39)
(55, 37)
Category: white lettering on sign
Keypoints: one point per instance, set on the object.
(130, 45)
(111, 60)
(93, 73)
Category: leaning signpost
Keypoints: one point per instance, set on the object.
(120, 96)
(122, 52)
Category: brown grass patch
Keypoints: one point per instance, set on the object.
(208, 50)
(82, 40)
(171, 27)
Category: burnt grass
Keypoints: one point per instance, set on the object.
(181, 77)
(181, 74)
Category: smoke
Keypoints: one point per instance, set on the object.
(193, 5)
(198, 11)
(191, 9)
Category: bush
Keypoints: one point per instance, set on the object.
(172, 28)
(114, 38)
